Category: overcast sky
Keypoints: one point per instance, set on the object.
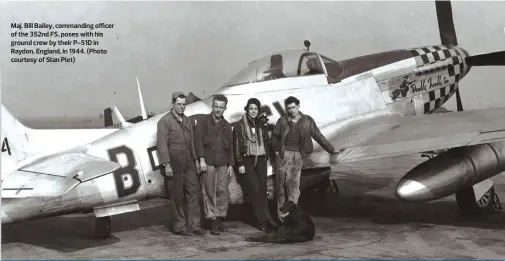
(198, 46)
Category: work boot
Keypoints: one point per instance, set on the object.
(263, 226)
(215, 227)
(199, 231)
(271, 225)
(183, 232)
(268, 225)
(222, 228)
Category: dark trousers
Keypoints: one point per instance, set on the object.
(184, 192)
(255, 183)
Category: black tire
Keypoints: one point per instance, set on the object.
(102, 227)
(468, 206)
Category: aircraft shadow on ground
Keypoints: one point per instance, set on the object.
(58, 233)
(390, 211)
(74, 233)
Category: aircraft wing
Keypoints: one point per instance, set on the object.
(55, 175)
(395, 135)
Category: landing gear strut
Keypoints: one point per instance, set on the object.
(488, 203)
(497, 205)
(334, 187)
(102, 227)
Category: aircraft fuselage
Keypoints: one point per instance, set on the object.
(406, 82)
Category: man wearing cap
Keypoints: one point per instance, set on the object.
(175, 144)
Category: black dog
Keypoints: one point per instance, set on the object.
(297, 227)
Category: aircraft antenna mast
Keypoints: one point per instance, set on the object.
(142, 106)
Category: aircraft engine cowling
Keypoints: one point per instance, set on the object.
(451, 171)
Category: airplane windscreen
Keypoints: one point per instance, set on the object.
(334, 69)
(290, 63)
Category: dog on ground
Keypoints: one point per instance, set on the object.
(297, 227)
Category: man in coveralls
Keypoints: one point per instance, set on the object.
(175, 143)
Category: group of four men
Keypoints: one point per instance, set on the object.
(210, 150)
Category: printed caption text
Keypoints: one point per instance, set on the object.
(34, 43)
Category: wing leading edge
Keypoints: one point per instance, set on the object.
(394, 135)
(55, 175)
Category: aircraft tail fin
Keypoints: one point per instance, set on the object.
(15, 140)
(20, 143)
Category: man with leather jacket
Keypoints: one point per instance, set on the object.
(252, 148)
(292, 142)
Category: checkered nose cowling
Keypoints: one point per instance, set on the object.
(451, 57)
(442, 54)
(463, 54)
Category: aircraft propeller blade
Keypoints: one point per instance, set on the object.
(488, 59)
(446, 23)
(447, 33)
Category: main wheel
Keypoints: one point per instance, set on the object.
(102, 227)
(468, 206)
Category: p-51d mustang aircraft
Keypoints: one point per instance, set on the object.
(375, 106)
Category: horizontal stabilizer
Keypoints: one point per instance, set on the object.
(22, 184)
(80, 165)
(55, 175)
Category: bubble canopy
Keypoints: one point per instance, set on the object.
(285, 64)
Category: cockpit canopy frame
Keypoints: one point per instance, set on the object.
(285, 64)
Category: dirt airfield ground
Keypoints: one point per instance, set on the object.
(365, 221)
